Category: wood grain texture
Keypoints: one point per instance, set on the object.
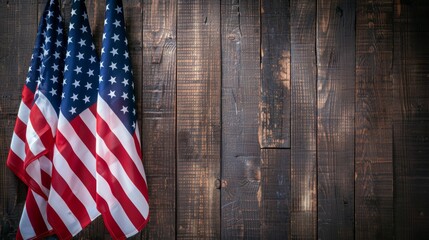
(303, 120)
(18, 29)
(335, 117)
(198, 119)
(373, 120)
(274, 127)
(159, 115)
(241, 173)
(275, 194)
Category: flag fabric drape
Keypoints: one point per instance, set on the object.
(122, 195)
(72, 195)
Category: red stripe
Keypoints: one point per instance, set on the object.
(16, 164)
(110, 223)
(20, 129)
(46, 179)
(115, 146)
(34, 215)
(27, 96)
(76, 164)
(34, 185)
(130, 209)
(84, 133)
(58, 225)
(66, 193)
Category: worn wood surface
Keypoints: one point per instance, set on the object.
(261, 119)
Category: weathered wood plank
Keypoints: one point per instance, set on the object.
(18, 27)
(240, 94)
(336, 108)
(198, 119)
(275, 194)
(373, 120)
(411, 150)
(274, 127)
(303, 120)
(159, 115)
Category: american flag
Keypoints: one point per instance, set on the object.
(43, 67)
(122, 195)
(72, 195)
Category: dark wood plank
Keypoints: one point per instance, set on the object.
(411, 150)
(274, 127)
(240, 94)
(303, 120)
(373, 120)
(18, 27)
(159, 115)
(275, 194)
(198, 119)
(336, 108)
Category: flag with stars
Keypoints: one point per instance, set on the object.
(122, 195)
(33, 223)
(71, 202)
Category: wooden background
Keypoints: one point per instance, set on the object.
(297, 119)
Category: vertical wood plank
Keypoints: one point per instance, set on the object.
(18, 27)
(159, 115)
(198, 119)
(336, 108)
(303, 120)
(241, 164)
(275, 194)
(373, 121)
(274, 127)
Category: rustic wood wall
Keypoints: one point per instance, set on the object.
(267, 119)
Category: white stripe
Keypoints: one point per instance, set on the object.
(48, 112)
(23, 112)
(116, 169)
(124, 136)
(89, 119)
(67, 216)
(34, 171)
(76, 185)
(115, 208)
(18, 146)
(79, 148)
(42, 203)
(25, 226)
(34, 143)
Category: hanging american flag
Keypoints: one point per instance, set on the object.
(122, 195)
(72, 195)
(33, 223)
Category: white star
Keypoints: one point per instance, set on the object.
(90, 73)
(93, 46)
(100, 78)
(112, 94)
(112, 80)
(124, 109)
(84, 15)
(74, 97)
(114, 51)
(78, 70)
(102, 50)
(82, 42)
(73, 12)
(134, 125)
(57, 55)
(101, 65)
(60, 18)
(107, 7)
(58, 43)
(134, 111)
(125, 82)
(88, 86)
(47, 39)
(27, 80)
(66, 68)
(64, 81)
(83, 29)
(59, 30)
(50, 14)
(55, 67)
(54, 79)
(53, 92)
(92, 59)
(118, 9)
(72, 110)
(124, 96)
(68, 54)
(69, 40)
(86, 99)
(126, 41)
(126, 55)
(105, 21)
(71, 26)
(80, 56)
(115, 37)
(113, 66)
(104, 35)
(117, 23)
(45, 52)
(125, 68)
(48, 26)
(62, 95)
(76, 83)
